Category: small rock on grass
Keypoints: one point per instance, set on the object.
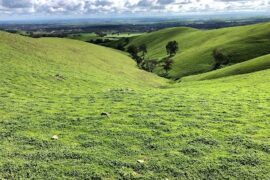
(140, 161)
(55, 137)
(105, 114)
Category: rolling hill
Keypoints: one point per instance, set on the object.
(152, 128)
(257, 64)
(238, 44)
(50, 58)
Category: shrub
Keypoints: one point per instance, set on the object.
(172, 48)
(167, 65)
(220, 58)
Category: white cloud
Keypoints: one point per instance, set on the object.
(126, 6)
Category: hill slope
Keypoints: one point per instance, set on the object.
(213, 129)
(70, 60)
(250, 66)
(196, 46)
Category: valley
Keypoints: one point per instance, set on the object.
(198, 123)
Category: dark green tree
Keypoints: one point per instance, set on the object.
(167, 65)
(149, 65)
(172, 48)
(143, 49)
(220, 58)
(126, 41)
(133, 50)
(120, 47)
(101, 34)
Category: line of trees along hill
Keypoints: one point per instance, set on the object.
(138, 53)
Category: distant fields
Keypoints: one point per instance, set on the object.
(156, 128)
(83, 36)
(94, 36)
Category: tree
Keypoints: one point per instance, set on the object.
(120, 47)
(220, 58)
(132, 50)
(31, 34)
(167, 65)
(172, 48)
(126, 41)
(143, 49)
(149, 65)
(101, 34)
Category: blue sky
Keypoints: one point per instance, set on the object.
(108, 8)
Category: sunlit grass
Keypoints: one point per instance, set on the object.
(216, 129)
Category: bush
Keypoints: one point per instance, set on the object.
(220, 58)
(172, 48)
(149, 65)
(167, 65)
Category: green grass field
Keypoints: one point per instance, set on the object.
(239, 44)
(93, 36)
(124, 35)
(257, 64)
(83, 36)
(156, 129)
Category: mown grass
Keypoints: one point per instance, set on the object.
(216, 129)
(239, 44)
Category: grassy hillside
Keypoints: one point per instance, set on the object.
(196, 46)
(215, 129)
(250, 66)
(48, 58)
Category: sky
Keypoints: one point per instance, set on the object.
(109, 8)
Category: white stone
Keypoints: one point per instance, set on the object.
(55, 137)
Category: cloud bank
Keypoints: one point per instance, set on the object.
(107, 7)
